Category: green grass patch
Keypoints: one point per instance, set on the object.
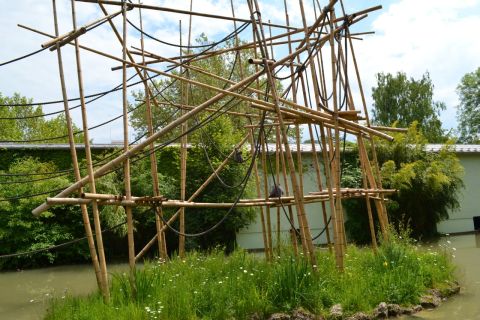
(215, 286)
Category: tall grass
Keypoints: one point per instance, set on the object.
(215, 286)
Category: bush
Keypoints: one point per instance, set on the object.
(428, 185)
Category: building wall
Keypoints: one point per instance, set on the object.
(251, 236)
(462, 220)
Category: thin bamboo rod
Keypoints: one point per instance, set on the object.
(126, 163)
(73, 153)
(90, 178)
(266, 193)
(162, 248)
(259, 193)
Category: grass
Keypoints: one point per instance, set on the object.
(215, 286)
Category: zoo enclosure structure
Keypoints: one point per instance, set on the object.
(314, 82)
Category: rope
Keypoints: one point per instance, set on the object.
(22, 57)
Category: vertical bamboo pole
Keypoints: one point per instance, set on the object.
(183, 155)
(266, 193)
(73, 152)
(293, 231)
(162, 250)
(126, 164)
(327, 168)
(252, 144)
(336, 162)
(263, 163)
(298, 194)
(380, 204)
(277, 156)
(297, 128)
(266, 247)
(277, 177)
(367, 175)
(96, 216)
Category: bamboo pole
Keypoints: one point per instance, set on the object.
(293, 231)
(305, 232)
(277, 177)
(183, 156)
(73, 153)
(336, 162)
(274, 201)
(162, 247)
(266, 246)
(126, 163)
(90, 178)
(266, 193)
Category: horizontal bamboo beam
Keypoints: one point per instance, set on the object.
(172, 10)
(119, 200)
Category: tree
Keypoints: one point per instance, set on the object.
(468, 113)
(20, 120)
(428, 185)
(401, 101)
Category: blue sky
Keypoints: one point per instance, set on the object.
(411, 36)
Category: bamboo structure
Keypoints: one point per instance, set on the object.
(281, 79)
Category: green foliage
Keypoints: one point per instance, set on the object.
(400, 100)
(21, 231)
(31, 128)
(428, 185)
(468, 113)
(216, 286)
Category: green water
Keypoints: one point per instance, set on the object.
(24, 295)
(466, 305)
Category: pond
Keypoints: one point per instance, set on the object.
(24, 295)
(466, 305)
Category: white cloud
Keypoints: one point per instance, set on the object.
(412, 36)
(419, 36)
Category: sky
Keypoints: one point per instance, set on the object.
(435, 36)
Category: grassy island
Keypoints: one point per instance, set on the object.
(245, 286)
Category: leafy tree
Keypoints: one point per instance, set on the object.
(20, 231)
(428, 185)
(468, 113)
(21, 122)
(400, 100)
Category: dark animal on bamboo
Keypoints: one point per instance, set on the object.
(237, 156)
(276, 191)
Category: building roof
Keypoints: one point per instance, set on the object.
(304, 147)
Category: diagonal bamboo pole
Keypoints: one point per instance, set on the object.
(162, 248)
